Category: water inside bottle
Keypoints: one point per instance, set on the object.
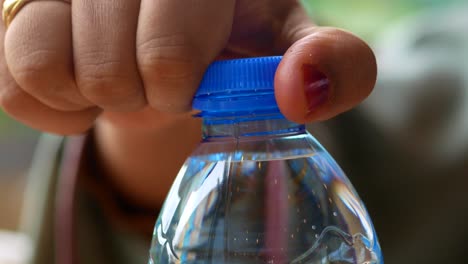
(290, 210)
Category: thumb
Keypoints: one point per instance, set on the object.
(325, 72)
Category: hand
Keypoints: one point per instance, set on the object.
(62, 65)
(134, 65)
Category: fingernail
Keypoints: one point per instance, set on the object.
(316, 87)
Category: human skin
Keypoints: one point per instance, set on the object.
(129, 69)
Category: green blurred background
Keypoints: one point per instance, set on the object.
(367, 18)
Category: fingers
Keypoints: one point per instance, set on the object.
(37, 115)
(39, 54)
(176, 41)
(324, 73)
(104, 35)
(28, 110)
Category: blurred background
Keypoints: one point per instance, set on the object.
(411, 135)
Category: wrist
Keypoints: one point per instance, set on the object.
(142, 161)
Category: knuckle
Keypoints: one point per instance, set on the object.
(34, 69)
(106, 83)
(107, 91)
(168, 58)
(40, 73)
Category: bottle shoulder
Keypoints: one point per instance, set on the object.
(259, 148)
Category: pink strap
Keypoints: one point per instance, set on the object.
(65, 239)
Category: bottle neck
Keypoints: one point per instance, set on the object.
(235, 127)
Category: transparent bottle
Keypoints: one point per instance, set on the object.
(259, 188)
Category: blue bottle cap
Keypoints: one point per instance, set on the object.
(238, 86)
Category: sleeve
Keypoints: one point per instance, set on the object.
(73, 215)
(106, 229)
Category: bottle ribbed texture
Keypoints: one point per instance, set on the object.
(238, 85)
(239, 75)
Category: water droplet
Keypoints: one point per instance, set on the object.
(314, 227)
(305, 221)
(257, 240)
(316, 236)
(335, 214)
(292, 235)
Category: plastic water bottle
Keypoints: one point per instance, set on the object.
(259, 188)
